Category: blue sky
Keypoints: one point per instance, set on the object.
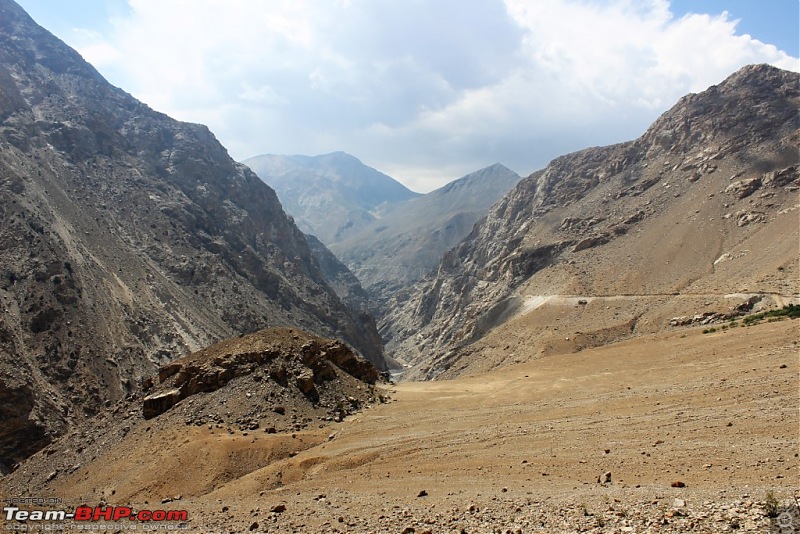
(428, 90)
(774, 22)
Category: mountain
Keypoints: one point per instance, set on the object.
(407, 243)
(127, 240)
(697, 216)
(330, 196)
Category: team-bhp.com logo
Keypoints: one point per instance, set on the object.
(95, 514)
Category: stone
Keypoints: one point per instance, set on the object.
(159, 402)
(590, 242)
(744, 188)
(305, 383)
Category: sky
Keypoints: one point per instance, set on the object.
(423, 90)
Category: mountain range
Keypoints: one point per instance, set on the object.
(606, 243)
(617, 331)
(391, 253)
(386, 235)
(330, 196)
(128, 239)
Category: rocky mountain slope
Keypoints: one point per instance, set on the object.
(330, 196)
(407, 243)
(127, 240)
(697, 215)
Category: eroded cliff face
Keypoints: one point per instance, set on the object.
(729, 152)
(128, 239)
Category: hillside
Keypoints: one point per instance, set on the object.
(330, 196)
(696, 216)
(393, 252)
(128, 239)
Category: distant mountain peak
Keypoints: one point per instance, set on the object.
(330, 195)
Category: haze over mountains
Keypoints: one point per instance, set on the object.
(388, 236)
(330, 196)
(408, 242)
(567, 314)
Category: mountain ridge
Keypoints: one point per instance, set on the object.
(329, 195)
(390, 254)
(690, 169)
(128, 239)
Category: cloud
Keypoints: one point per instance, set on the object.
(425, 90)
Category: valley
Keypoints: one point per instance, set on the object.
(609, 344)
(520, 447)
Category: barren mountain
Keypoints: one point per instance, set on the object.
(127, 240)
(611, 362)
(407, 243)
(330, 196)
(695, 217)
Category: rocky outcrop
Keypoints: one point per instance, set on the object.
(278, 353)
(128, 239)
(746, 127)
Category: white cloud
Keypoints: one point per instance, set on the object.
(425, 90)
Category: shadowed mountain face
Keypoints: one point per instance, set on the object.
(407, 243)
(700, 207)
(127, 240)
(330, 196)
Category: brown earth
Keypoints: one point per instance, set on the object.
(517, 448)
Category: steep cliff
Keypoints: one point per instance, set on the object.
(127, 239)
(653, 217)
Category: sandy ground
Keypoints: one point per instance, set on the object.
(517, 449)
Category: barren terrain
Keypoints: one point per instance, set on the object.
(517, 448)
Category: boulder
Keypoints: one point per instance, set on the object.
(160, 402)
(744, 188)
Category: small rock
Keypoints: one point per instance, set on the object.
(422, 493)
(605, 478)
(278, 509)
(678, 484)
(254, 526)
(679, 503)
